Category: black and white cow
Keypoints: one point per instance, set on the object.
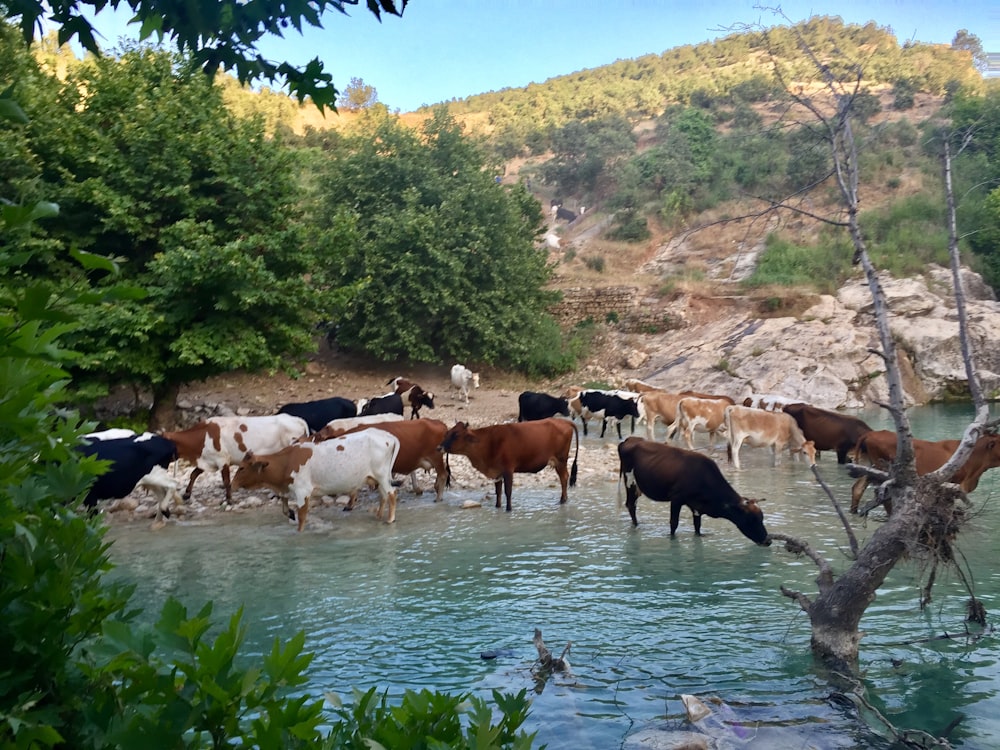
(614, 405)
(132, 459)
(391, 403)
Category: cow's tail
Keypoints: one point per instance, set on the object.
(728, 424)
(447, 467)
(572, 472)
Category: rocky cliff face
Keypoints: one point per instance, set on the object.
(824, 355)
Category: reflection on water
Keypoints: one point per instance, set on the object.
(415, 604)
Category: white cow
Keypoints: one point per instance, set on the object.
(217, 442)
(339, 466)
(462, 377)
(764, 429)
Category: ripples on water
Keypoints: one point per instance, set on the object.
(415, 604)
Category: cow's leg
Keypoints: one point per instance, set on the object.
(498, 485)
(696, 517)
(413, 484)
(618, 423)
(508, 486)
(675, 515)
(286, 510)
(440, 481)
(631, 496)
(194, 475)
(303, 512)
(226, 483)
(390, 499)
(563, 471)
(734, 451)
(842, 454)
(857, 490)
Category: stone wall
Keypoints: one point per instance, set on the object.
(618, 305)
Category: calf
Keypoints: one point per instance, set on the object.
(462, 378)
(827, 429)
(133, 461)
(705, 414)
(681, 477)
(318, 413)
(533, 406)
(764, 429)
(662, 405)
(340, 466)
(418, 449)
(614, 405)
(879, 446)
(412, 394)
(499, 451)
(217, 442)
(641, 386)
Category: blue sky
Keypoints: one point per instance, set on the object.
(445, 49)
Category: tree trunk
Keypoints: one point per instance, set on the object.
(163, 414)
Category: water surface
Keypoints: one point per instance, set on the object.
(415, 605)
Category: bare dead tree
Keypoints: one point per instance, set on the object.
(928, 511)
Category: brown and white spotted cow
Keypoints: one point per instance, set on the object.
(217, 442)
(339, 466)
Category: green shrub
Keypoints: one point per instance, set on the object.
(785, 264)
(594, 263)
(431, 720)
(629, 226)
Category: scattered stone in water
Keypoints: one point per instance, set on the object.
(472, 504)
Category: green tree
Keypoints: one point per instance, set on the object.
(198, 207)
(357, 95)
(972, 44)
(216, 35)
(445, 261)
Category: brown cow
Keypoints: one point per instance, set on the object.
(680, 477)
(879, 446)
(501, 450)
(827, 429)
(703, 414)
(418, 448)
(655, 405)
(765, 429)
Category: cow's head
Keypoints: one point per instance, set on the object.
(809, 451)
(250, 472)
(750, 521)
(456, 437)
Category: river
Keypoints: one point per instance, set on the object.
(416, 604)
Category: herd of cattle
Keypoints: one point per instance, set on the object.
(337, 446)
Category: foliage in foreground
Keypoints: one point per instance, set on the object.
(77, 671)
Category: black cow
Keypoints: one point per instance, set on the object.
(318, 414)
(131, 459)
(681, 477)
(827, 429)
(391, 403)
(534, 406)
(565, 214)
(609, 405)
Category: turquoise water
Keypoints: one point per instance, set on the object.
(649, 617)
